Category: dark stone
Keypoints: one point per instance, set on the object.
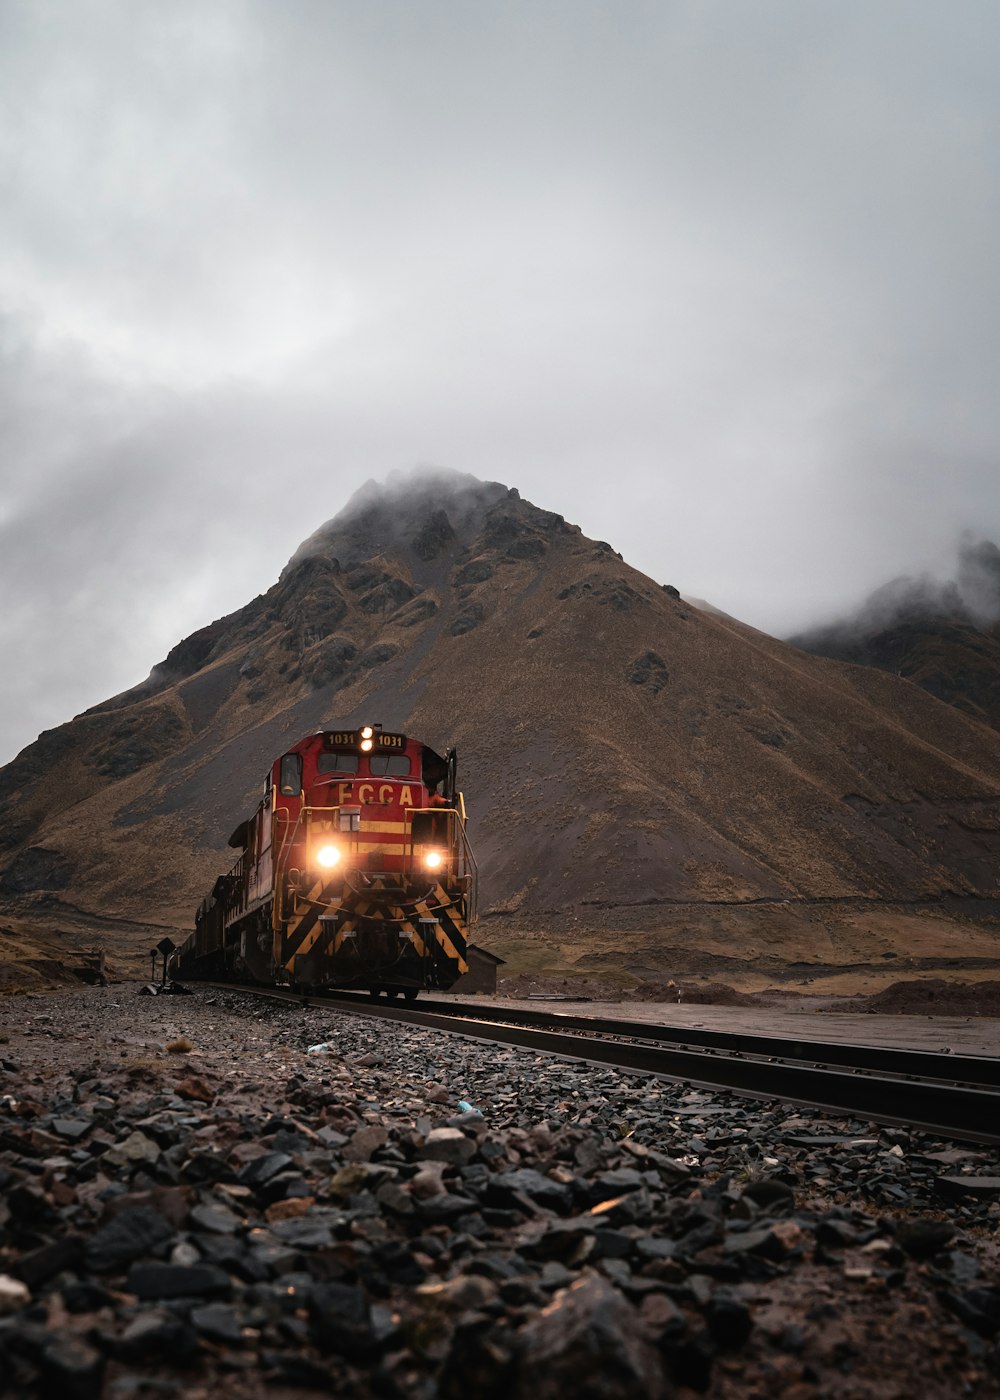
(834, 1234)
(954, 1188)
(476, 571)
(612, 1244)
(328, 660)
(671, 591)
(567, 1240)
(362, 578)
(690, 1363)
(28, 1207)
(479, 1363)
(446, 1206)
(614, 1183)
(218, 1323)
(729, 1321)
(208, 1166)
(134, 1231)
(501, 527)
(770, 1194)
(158, 1335)
(85, 1297)
(177, 1281)
(340, 1321)
(138, 740)
(793, 1338)
(921, 1239)
(42, 1264)
(763, 1243)
(978, 1308)
(590, 1343)
(72, 1128)
(434, 534)
(397, 1263)
(261, 1169)
(496, 1267)
(963, 1267)
(71, 1370)
(469, 618)
(387, 596)
(304, 1233)
(649, 671)
(655, 1247)
(281, 1368)
(375, 656)
(503, 1219)
(217, 1219)
(531, 1183)
(528, 547)
(621, 597)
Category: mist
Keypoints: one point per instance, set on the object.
(969, 594)
(718, 283)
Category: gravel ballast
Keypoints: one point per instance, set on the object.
(196, 1200)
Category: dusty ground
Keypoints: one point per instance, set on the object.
(836, 948)
(815, 1019)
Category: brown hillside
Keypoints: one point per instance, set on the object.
(650, 785)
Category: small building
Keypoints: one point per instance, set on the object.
(482, 974)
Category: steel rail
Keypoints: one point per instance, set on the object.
(965, 1111)
(923, 1064)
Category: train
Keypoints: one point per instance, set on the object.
(355, 871)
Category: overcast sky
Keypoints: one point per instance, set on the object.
(716, 279)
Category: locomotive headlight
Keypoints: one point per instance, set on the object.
(328, 857)
(368, 732)
(432, 860)
(366, 745)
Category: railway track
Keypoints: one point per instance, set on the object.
(952, 1096)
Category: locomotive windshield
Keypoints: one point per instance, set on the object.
(337, 763)
(394, 765)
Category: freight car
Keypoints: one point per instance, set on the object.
(355, 871)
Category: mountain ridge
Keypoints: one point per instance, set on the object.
(621, 751)
(942, 635)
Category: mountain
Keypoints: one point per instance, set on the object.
(944, 637)
(653, 788)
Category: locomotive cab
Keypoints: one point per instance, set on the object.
(356, 869)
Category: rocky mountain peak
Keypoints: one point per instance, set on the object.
(621, 750)
(418, 519)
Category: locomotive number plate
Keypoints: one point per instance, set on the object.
(351, 739)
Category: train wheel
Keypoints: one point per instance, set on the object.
(411, 993)
(373, 993)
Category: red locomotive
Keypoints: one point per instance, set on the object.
(355, 871)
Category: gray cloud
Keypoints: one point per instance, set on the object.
(716, 281)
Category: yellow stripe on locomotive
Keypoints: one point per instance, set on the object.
(356, 870)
